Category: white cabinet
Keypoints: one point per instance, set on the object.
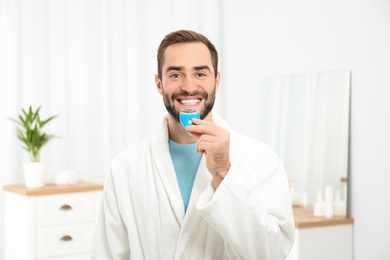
(53, 222)
(321, 238)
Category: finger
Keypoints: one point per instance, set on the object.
(208, 143)
(202, 146)
(198, 121)
(202, 129)
(208, 138)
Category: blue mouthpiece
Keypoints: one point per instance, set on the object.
(186, 117)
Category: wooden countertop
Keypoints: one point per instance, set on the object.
(304, 218)
(51, 189)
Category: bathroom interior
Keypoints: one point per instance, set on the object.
(310, 79)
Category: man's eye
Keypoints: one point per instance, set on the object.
(175, 75)
(200, 74)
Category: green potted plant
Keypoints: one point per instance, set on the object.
(29, 130)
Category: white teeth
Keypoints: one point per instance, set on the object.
(190, 101)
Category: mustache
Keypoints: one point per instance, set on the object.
(184, 93)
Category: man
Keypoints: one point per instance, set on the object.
(200, 192)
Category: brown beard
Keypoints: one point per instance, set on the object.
(209, 99)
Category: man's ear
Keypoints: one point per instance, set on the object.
(158, 84)
(217, 81)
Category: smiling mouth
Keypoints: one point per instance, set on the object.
(189, 102)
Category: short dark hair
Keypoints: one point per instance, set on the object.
(183, 36)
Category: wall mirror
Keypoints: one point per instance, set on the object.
(305, 119)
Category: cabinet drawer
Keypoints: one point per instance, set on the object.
(64, 240)
(65, 208)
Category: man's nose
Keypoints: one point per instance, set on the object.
(189, 84)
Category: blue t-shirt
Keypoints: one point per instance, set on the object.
(186, 161)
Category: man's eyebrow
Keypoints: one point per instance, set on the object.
(181, 68)
(204, 67)
(177, 68)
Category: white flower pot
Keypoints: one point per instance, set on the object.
(34, 174)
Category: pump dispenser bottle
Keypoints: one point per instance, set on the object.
(319, 205)
(339, 205)
(328, 202)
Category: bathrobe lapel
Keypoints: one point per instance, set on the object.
(202, 179)
(163, 166)
(192, 217)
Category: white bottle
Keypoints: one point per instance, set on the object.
(339, 205)
(319, 205)
(328, 202)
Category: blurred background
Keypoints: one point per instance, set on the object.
(92, 63)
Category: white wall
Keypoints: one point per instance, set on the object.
(263, 38)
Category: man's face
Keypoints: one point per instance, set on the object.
(188, 79)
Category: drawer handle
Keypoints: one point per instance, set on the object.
(66, 238)
(65, 207)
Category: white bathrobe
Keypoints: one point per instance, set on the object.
(142, 216)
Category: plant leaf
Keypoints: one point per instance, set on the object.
(47, 121)
(28, 130)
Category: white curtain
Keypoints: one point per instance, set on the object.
(92, 63)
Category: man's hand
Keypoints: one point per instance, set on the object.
(213, 142)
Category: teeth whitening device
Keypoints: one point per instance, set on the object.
(186, 117)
